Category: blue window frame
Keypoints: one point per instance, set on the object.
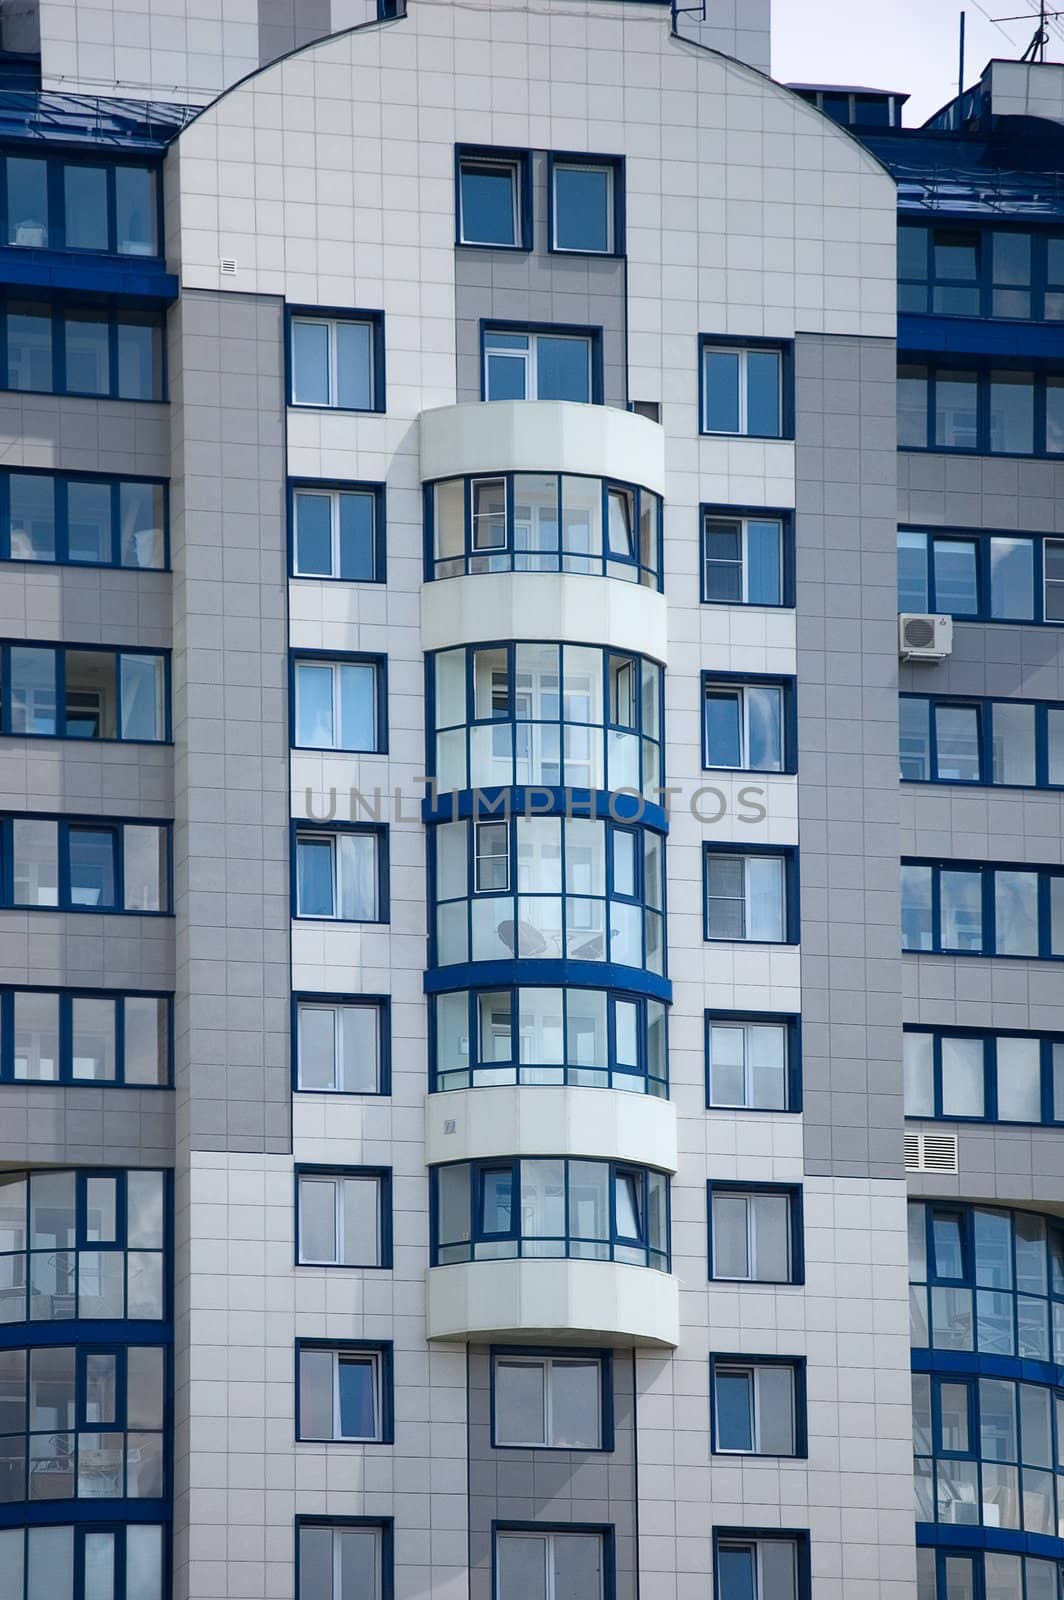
(78, 203)
(84, 1422)
(338, 701)
(1004, 743)
(336, 358)
(746, 387)
(989, 1281)
(967, 270)
(547, 888)
(105, 352)
(597, 1038)
(1014, 407)
(340, 871)
(988, 1449)
(757, 1405)
(586, 204)
(94, 1036)
(345, 1391)
(756, 1232)
(543, 522)
(493, 197)
(84, 691)
(968, 1074)
(83, 519)
(981, 577)
(343, 1216)
(539, 1560)
(341, 1044)
(751, 893)
(753, 1061)
(590, 1210)
(761, 1564)
(747, 556)
(340, 1556)
(85, 864)
(55, 1559)
(573, 716)
(749, 722)
(86, 1246)
(542, 361)
(556, 1399)
(954, 1573)
(976, 908)
(337, 531)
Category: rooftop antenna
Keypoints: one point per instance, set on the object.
(960, 64)
(1036, 50)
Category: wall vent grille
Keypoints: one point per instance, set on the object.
(931, 1152)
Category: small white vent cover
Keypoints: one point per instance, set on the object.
(931, 1152)
(227, 267)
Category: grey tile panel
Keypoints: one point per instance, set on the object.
(83, 950)
(81, 1125)
(75, 435)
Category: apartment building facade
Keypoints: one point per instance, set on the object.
(458, 1058)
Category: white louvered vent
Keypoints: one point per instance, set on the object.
(227, 267)
(931, 1152)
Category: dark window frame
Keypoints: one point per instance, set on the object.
(375, 319)
(710, 511)
(67, 822)
(297, 655)
(384, 1350)
(518, 158)
(62, 482)
(615, 165)
(381, 1004)
(333, 487)
(743, 343)
(799, 1537)
(300, 826)
(791, 1022)
(66, 997)
(603, 1357)
(56, 219)
(593, 334)
(60, 650)
(57, 308)
(788, 854)
(384, 1526)
(796, 1365)
(1045, 874)
(794, 1195)
(385, 1221)
(788, 686)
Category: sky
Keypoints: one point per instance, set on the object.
(904, 45)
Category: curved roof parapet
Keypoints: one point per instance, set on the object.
(91, 119)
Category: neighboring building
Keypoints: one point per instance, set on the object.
(453, 1086)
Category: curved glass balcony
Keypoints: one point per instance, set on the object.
(592, 1038)
(543, 522)
(552, 1207)
(573, 716)
(91, 1562)
(953, 1574)
(547, 888)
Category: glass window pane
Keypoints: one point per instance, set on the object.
(32, 512)
(36, 1041)
(314, 876)
(358, 706)
(357, 1397)
(310, 363)
(1019, 1079)
(136, 211)
(563, 368)
(313, 515)
(583, 203)
(318, 1219)
(914, 731)
(90, 701)
(50, 1563)
(765, 898)
(93, 1039)
(956, 577)
(1013, 743)
(737, 1572)
(521, 1566)
(1054, 393)
(489, 202)
(576, 1404)
(1012, 412)
(140, 356)
(358, 877)
(145, 1367)
(961, 903)
(142, 684)
(141, 524)
(89, 518)
(1016, 913)
(763, 393)
(36, 862)
(734, 1403)
(85, 207)
(31, 689)
(315, 721)
(912, 410)
(957, 744)
(962, 1077)
(144, 865)
(577, 1566)
(27, 203)
(87, 347)
(520, 1402)
(764, 562)
(771, 1217)
(92, 867)
(144, 1206)
(354, 365)
(316, 1394)
(146, 1044)
(1012, 578)
(956, 411)
(29, 347)
(721, 398)
(918, 1061)
(912, 571)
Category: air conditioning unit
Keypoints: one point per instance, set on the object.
(931, 1152)
(924, 637)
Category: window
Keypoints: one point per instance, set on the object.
(86, 865)
(341, 1044)
(84, 692)
(57, 348)
(338, 533)
(344, 1392)
(343, 1217)
(572, 716)
(752, 1062)
(544, 522)
(761, 1566)
(595, 1038)
(747, 723)
(82, 1245)
(977, 909)
(84, 1036)
(539, 1563)
(340, 873)
(758, 1405)
(83, 521)
(336, 360)
(968, 271)
(751, 895)
(39, 1563)
(993, 1077)
(986, 1279)
(1018, 743)
(61, 203)
(984, 1452)
(585, 891)
(1000, 410)
(586, 205)
(746, 560)
(587, 1210)
(83, 1423)
(339, 703)
(756, 1234)
(344, 1558)
(550, 1402)
(559, 364)
(745, 389)
(493, 204)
